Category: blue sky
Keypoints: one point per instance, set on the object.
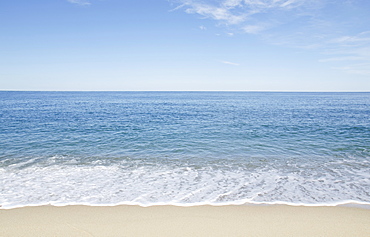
(237, 45)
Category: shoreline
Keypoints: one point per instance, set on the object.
(349, 203)
(166, 220)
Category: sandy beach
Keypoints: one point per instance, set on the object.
(276, 220)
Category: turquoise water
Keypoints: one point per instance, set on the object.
(184, 148)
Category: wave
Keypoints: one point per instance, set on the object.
(184, 185)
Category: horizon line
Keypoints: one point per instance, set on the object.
(270, 91)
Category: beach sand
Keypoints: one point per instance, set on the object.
(275, 220)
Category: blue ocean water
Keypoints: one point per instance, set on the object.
(184, 148)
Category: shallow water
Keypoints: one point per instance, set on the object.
(184, 148)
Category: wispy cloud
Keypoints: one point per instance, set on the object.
(80, 2)
(336, 59)
(230, 63)
(202, 27)
(336, 29)
(359, 69)
(219, 13)
(353, 40)
(232, 12)
(348, 49)
(254, 29)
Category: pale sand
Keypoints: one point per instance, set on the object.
(171, 221)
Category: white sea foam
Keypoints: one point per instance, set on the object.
(148, 185)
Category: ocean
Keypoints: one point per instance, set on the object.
(184, 148)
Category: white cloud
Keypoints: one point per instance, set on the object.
(230, 63)
(202, 27)
(359, 69)
(347, 49)
(268, 4)
(80, 2)
(363, 37)
(254, 29)
(216, 13)
(291, 3)
(232, 3)
(240, 12)
(325, 26)
(336, 59)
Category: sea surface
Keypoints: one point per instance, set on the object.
(184, 148)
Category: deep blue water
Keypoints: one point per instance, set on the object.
(183, 148)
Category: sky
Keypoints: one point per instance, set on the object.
(185, 45)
